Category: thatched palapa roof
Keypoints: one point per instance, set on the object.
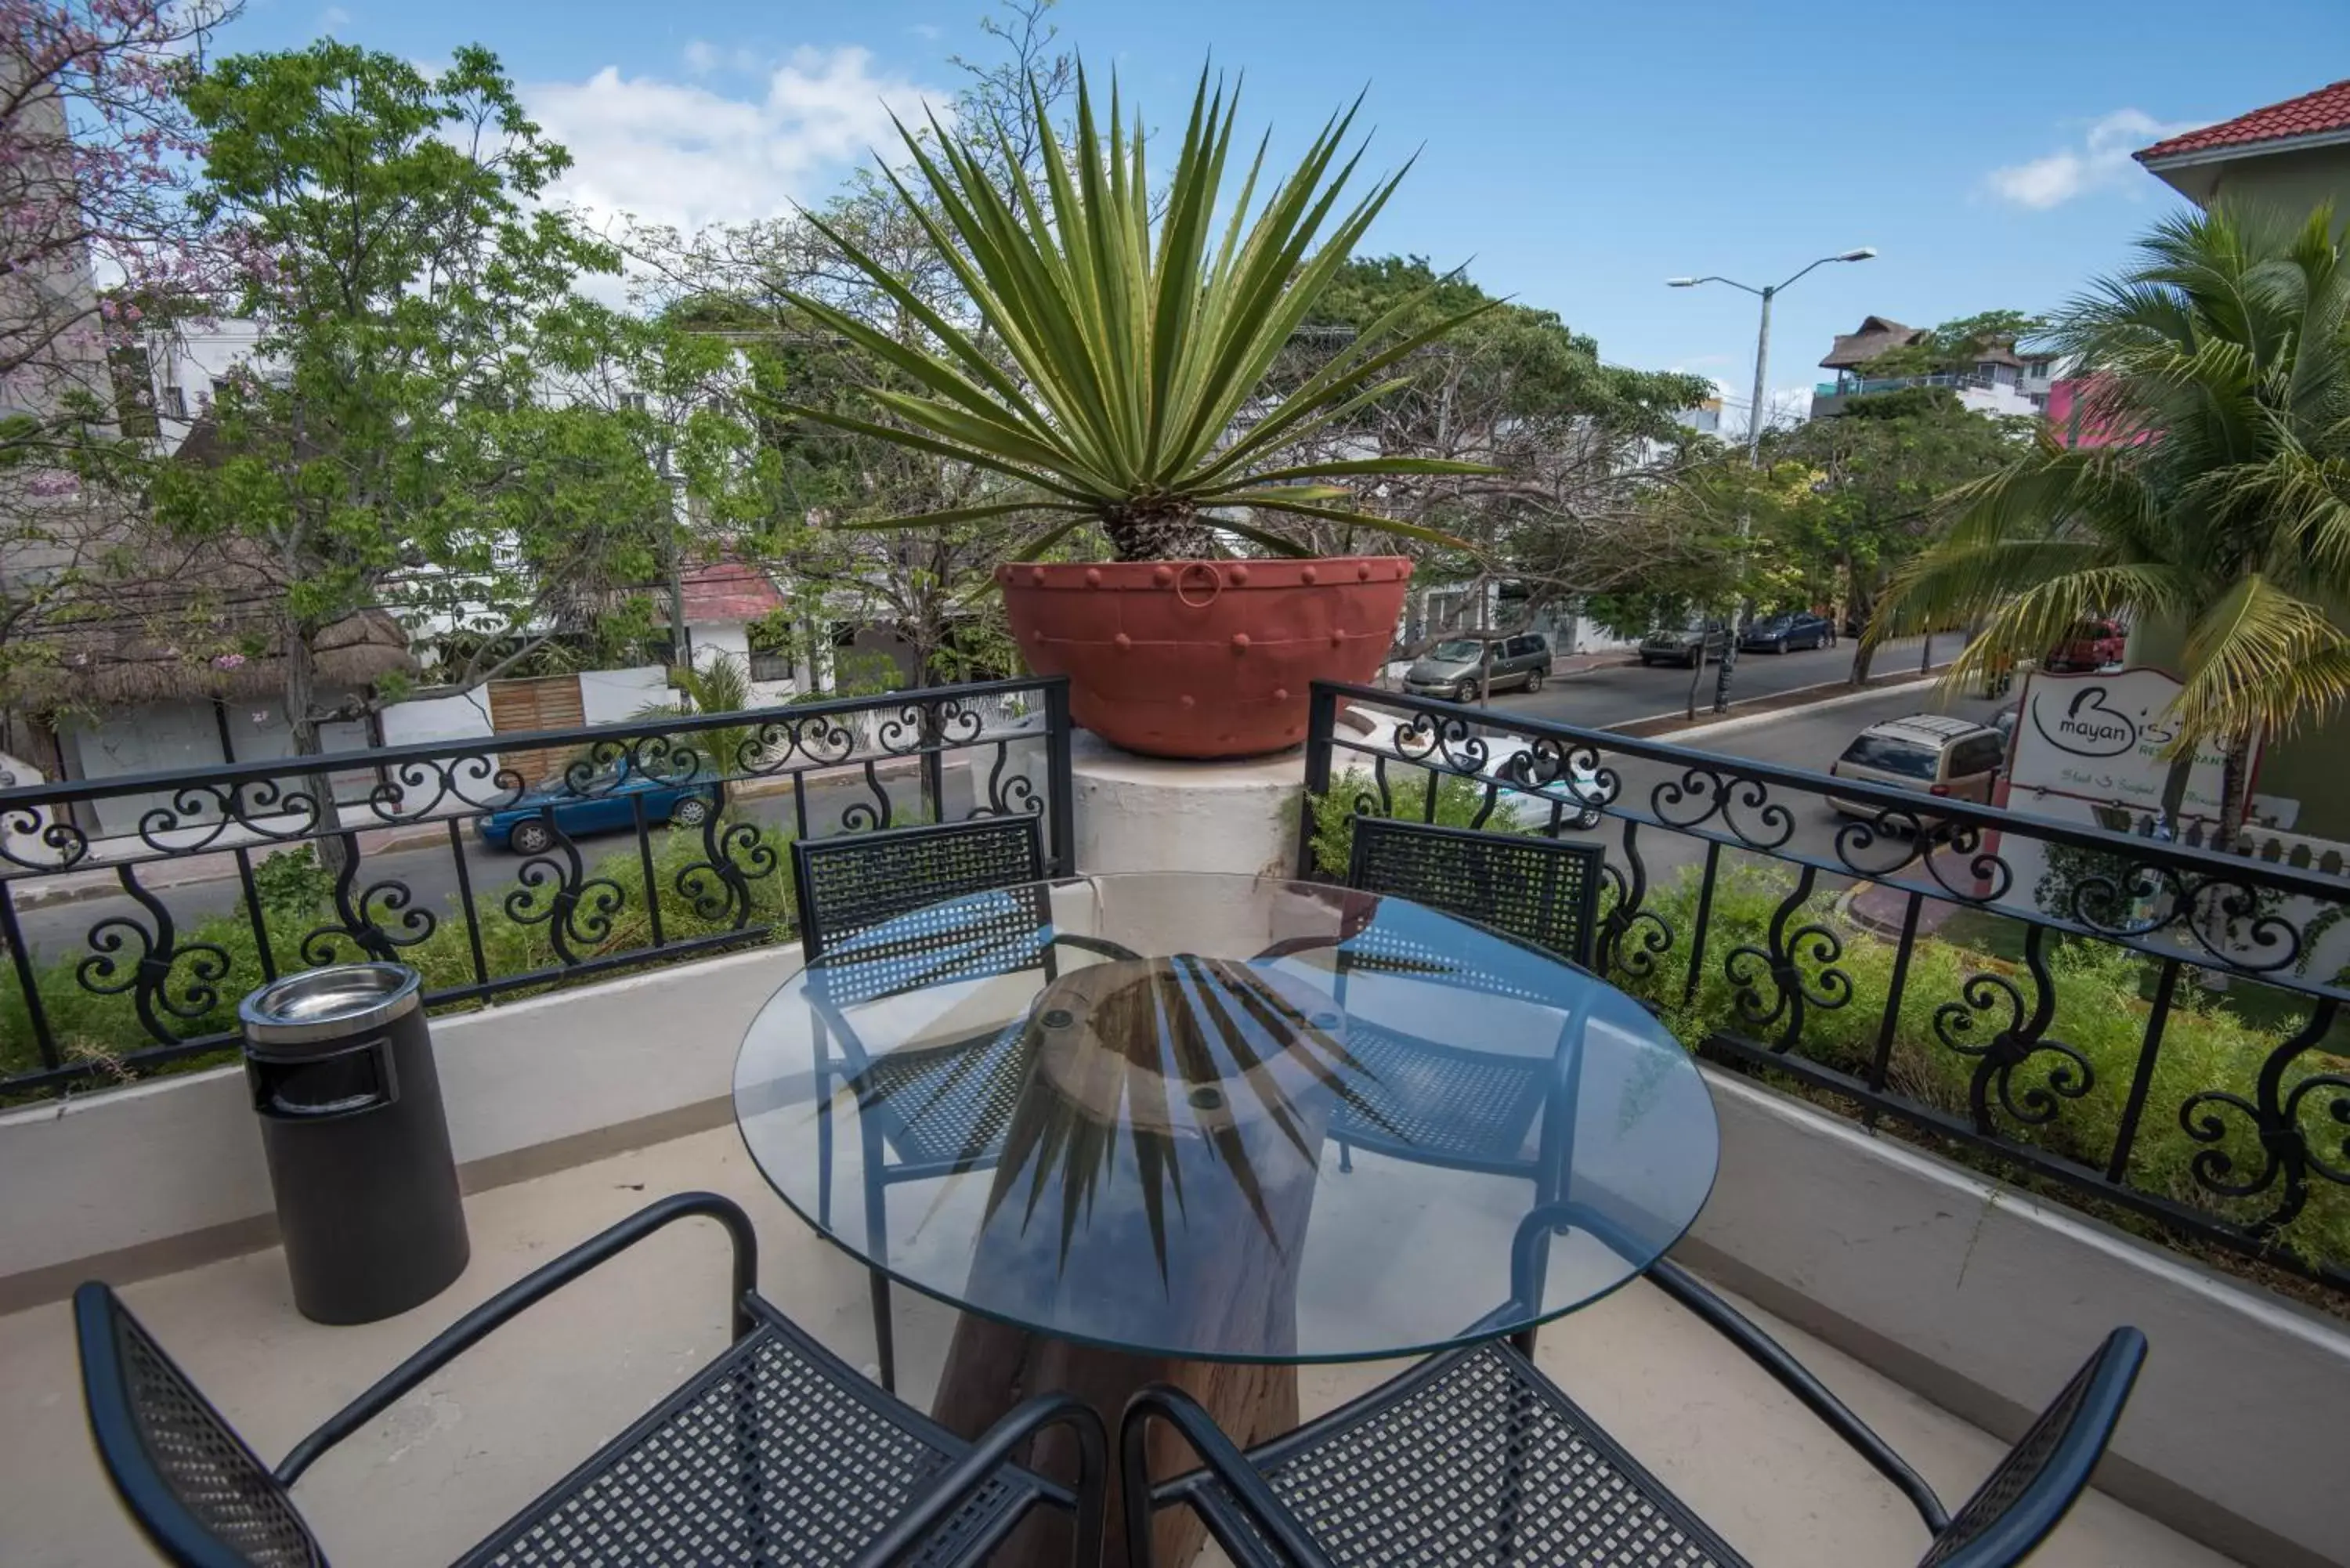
(1877, 335)
(212, 629)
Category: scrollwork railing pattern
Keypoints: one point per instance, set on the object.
(636, 843)
(1736, 898)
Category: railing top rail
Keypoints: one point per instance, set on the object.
(26, 796)
(1983, 819)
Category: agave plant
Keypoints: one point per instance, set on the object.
(1136, 348)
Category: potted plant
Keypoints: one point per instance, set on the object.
(1110, 373)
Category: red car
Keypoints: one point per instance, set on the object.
(2090, 644)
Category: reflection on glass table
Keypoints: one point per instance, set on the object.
(1157, 1185)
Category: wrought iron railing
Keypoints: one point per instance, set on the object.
(2150, 1024)
(479, 862)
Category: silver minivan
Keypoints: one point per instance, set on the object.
(1452, 667)
(1934, 753)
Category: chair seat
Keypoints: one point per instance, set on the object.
(1470, 1457)
(768, 1455)
(1437, 1102)
(949, 1105)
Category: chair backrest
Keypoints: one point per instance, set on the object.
(2042, 1475)
(849, 886)
(187, 1478)
(1535, 889)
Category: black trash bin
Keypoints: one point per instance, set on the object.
(340, 1064)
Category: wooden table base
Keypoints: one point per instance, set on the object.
(993, 1367)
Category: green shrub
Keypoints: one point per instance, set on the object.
(2099, 1011)
(1459, 800)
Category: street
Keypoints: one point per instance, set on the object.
(1620, 694)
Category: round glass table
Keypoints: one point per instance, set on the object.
(1134, 1124)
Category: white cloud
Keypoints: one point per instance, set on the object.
(701, 57)
(2102, 159)
(333, 18)
(929, 31)
(683, 153)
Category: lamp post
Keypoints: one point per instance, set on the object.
(1766, 294)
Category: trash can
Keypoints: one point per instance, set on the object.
(339, 1061)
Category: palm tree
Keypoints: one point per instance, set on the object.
(2217, 511)
(1128, 389)
(721, 684)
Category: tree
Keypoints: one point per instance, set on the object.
(96, 247)
(2220, 513)
(1571, 445)
(390, 442)
(1883, 466)
(822, 482)
(1953, 345)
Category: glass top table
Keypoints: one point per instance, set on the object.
(1225, 1119)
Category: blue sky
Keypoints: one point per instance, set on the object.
(1574, 153)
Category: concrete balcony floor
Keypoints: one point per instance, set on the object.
(508, 1420)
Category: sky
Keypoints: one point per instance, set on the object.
(1573, 154)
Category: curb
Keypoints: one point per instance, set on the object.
(1762, 710)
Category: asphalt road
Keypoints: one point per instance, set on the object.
(1620, 694)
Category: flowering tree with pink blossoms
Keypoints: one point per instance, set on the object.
(98, 245)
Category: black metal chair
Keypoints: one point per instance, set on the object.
(1538, 890)
(1446, 1106)
(777, 1451)
(1476, 1457)
(940, 1109)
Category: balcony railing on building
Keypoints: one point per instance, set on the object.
(2147, 1026)
(495, 866)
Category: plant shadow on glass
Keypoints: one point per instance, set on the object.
(1167, 1066)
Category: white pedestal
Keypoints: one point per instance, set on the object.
(1147, 813)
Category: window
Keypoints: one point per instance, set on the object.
(1524, 647)
(1904, 759)
(171, 402)
(1459, 649)
(1975, 755)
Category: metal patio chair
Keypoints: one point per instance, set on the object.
(1476, 1457)
(940, 1109)
(1439, 1104)
(777, 1451)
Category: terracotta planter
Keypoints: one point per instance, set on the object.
(1203, 658)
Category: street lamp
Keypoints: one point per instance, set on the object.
(1754, 452)
(1762, 339)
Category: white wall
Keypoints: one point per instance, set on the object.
(732, 639)
(614, 696)
(466, 717)
(1978, 1297)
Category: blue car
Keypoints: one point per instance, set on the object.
(606, 802)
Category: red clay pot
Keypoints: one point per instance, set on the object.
(1203, 658)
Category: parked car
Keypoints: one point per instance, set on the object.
(1515, 763)
(1787, 632)
(604, 802)
(1933, 754)
(1685, 646)
(1452, 667)
(2089, 645)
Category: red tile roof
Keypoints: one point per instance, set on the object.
(2310, 114)
(727, 590)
